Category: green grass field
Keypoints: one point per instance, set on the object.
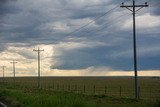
(80, 92)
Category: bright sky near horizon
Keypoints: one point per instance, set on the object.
(103, 48)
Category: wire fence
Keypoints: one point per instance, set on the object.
(127, 91)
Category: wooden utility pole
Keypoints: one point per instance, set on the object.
(134, 8)
(3, 67)
(38, 51)
(14, 70)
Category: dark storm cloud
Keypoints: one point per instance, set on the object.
(98, 56)
(6, 7)
(117, 57)
(155, 11)
(26, 19)
(50, 22)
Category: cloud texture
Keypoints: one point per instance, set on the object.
(107, 42)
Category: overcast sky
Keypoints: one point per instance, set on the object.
(103, 47)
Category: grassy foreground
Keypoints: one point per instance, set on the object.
(17, 97)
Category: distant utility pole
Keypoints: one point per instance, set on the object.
(134, 8)
(3, 67)
(14, 69)
(38, 51)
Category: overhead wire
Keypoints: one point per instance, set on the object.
(110, 23)
(92, 21)
(97, 18)
(107, 25)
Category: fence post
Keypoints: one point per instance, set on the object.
(53, 86)
(150, 93)
(58, 87)
(76, 88)
(84, 88)
(68, 87)
(120, 91)
(49, 86)
(46, 85)
(63, 87)
(94, 89)
(139, 89)
(105, 90)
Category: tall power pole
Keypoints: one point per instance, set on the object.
(134, 8)
(14, 69)
(3, 67)
(38, 51)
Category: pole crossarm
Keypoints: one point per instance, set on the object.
(134, 8)
(3, 68)
(13, 62)
(146, 5)
(38, 51)
(14, 69)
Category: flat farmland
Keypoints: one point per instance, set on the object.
(149, 87)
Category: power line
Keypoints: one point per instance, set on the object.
(38, 51)
(109, 24)
(97, 18)
(92, 21)
(133, 9)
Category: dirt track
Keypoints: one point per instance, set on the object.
(2, 104)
